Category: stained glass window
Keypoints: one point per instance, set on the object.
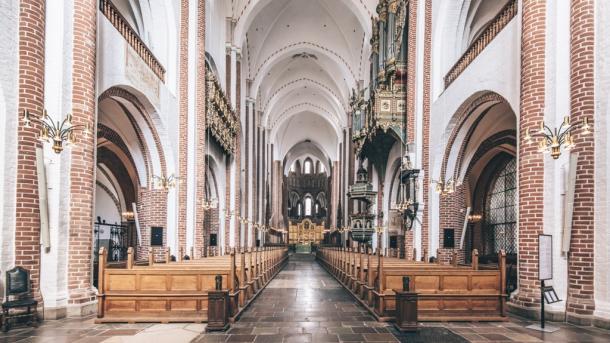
(308, 206)
(501, 211)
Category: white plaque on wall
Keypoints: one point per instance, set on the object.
(545, 257)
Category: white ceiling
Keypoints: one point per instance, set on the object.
(303, 57)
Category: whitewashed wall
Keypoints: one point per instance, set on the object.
(602, 158)
(496, 69)
(9, 17)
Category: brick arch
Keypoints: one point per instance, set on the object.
(122, 93)
(123, 172)
(459, 119)
(113, 137)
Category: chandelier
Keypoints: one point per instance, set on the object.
(165, 182)
(56, 132)
(554, 140)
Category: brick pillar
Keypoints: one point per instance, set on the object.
(581, 304)
(83, 157)
(425, 163)
(531, 164)
(411, 69)
(152, 211)
(452, 217)
(227, 195)
(200, 113)
(238, 185)
(183, 125)
(31, 98)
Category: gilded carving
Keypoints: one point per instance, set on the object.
(221, 119)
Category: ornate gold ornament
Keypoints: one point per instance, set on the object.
(59, 133)
(554, 140)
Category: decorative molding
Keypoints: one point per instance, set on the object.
(493, 28)
(133, 39)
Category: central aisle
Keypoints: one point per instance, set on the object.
(305, 304)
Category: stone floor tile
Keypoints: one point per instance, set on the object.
(269, 339)
(324, 337)
(241, 338)
(351, 337)
(298, 338)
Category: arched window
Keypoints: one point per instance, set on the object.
(299, 210)
(317, 209)
(308, 204)
(501, 211)
(322, 169)
(293, 168)
(307, 166)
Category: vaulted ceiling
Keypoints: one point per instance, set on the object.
(302, 59)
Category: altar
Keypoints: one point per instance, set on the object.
(304, 234)
(302, 248)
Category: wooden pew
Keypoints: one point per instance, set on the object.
(446, 292)
(178, 291)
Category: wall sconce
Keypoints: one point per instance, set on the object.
(443, 187)
(163, 182)
(56, 132)
(128, 216)
(209, 204)
(552, 141)
(474, 218)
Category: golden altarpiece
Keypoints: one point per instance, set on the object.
(305, 232)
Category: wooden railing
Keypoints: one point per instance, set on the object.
(497, 24)
(133, 39)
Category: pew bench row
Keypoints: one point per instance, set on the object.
(179, 291)
(445, 292)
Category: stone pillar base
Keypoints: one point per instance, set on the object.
(601, 322)
(579, 319)
(534, 313)
(82, 309)
(53, 313)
